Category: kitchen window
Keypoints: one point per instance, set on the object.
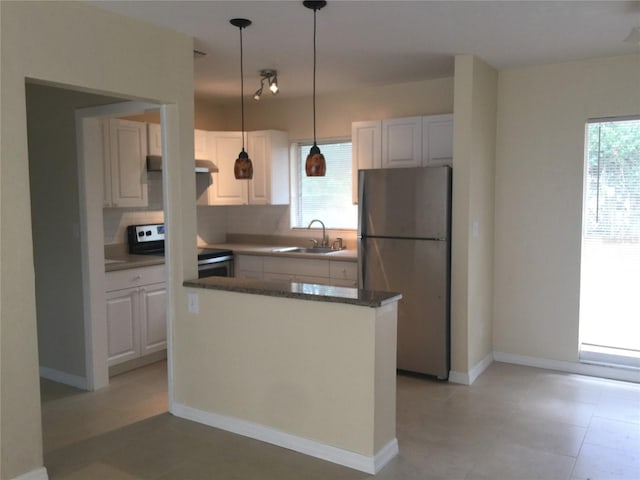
(327, 198)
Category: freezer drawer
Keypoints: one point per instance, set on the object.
(418, 269)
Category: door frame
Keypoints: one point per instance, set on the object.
(90, 173)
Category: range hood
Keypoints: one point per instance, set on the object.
(154, 164)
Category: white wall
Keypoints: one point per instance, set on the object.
(539, 178)
(79, 46)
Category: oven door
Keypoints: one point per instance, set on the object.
(214, 267)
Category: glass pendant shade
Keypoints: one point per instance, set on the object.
(243, 168)
(315, 166)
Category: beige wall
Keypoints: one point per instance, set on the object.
(335, 112)
(296, 366)
(334, 116)
(473, 190)
(107, 61)
(539, 178)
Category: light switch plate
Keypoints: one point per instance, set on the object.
(193, 304)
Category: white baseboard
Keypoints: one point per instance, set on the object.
(64, 377)
(38, 474)
(614, 373)
(357, 461)
(474, 373)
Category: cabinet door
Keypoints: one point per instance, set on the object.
(402, 142)
(344, 274)
(259, 149)
(153, 318)
(366, 150)
(437, 140)
(106, 164)
(123, 342)
(154, 139)
(249, 266)
(224, 148)
(128, 151)
(269, 152)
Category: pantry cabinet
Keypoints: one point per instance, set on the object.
(269, 153)
(124, 162)
(136, 313)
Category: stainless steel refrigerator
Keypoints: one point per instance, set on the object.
(404, 231)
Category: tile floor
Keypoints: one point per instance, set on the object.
(514, 423)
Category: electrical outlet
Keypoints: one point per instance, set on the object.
(193, 305)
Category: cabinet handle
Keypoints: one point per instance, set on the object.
(137, 277)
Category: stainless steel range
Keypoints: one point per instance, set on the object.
(149, 240)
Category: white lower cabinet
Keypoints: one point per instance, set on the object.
(306, 270)
(136, 313)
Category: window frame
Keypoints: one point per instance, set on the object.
(297, 170)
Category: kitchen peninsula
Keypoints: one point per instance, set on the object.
(307, 367)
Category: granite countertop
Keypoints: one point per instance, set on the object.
(304, 291)
(117, 256)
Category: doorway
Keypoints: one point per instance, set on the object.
(610, 264)
(69, 360)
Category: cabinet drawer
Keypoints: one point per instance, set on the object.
(249, 263)
(343, 270)
(134, 277)
(315, 268)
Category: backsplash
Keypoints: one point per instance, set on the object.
(116, 220)
(273, 221)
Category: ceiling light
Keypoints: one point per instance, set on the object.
(634, 36)
(271, 76)
(242, 168)
(315, 166)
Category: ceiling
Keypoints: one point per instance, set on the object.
(374, 43)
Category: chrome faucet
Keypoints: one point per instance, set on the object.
(325, 239)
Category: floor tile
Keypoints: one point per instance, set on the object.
(604, 463)
(514, 423)
(511, 461)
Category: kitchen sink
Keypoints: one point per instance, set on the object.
(317, 250)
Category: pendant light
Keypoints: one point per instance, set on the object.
(242, 168)
(315, 166)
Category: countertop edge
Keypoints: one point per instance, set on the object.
(297, 290)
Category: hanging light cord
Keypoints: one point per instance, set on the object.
(315, 12)
(241, 89)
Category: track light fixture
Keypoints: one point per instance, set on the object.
(271, 76)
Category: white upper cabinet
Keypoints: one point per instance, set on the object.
(224, 148)
(269, 153)
(437, 140)
(402, 142)
(366, 149)
(125, 152)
